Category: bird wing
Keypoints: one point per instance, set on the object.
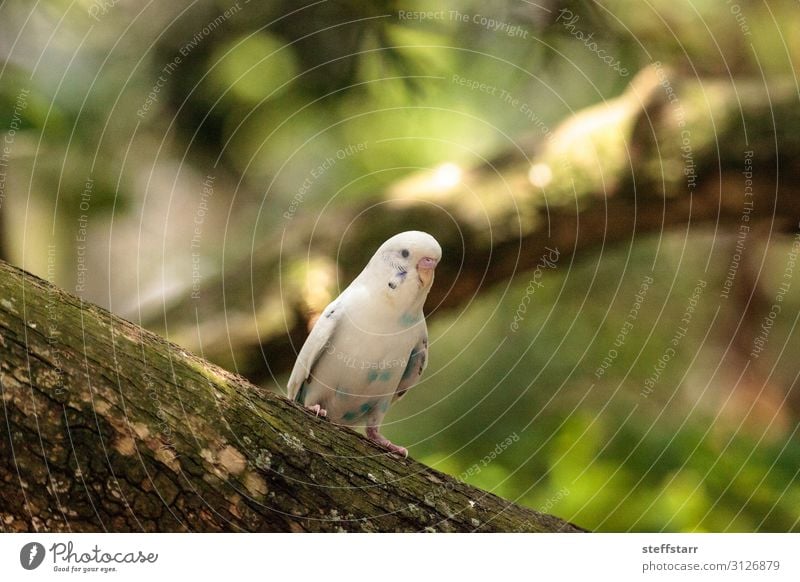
(318, 340)
(417, 362)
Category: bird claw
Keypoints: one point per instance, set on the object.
(318, 410)
(402, 451)
(379, 439)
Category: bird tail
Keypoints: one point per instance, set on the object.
(300, 398)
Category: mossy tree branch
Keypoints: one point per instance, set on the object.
(110, 427)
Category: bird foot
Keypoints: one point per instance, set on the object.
(379, 439)
(318, 410)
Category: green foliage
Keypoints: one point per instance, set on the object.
(254, 68)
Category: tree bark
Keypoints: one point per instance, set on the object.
(667, 153)
(111, 428)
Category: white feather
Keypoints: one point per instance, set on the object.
(369, 346)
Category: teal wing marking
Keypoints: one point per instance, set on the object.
(417, 361)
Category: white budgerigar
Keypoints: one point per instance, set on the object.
(370, 345)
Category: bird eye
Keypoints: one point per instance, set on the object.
(405, 253)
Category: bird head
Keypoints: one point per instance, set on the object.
(404, 265)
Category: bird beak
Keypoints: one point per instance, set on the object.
(425, 268)
(427, 264)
